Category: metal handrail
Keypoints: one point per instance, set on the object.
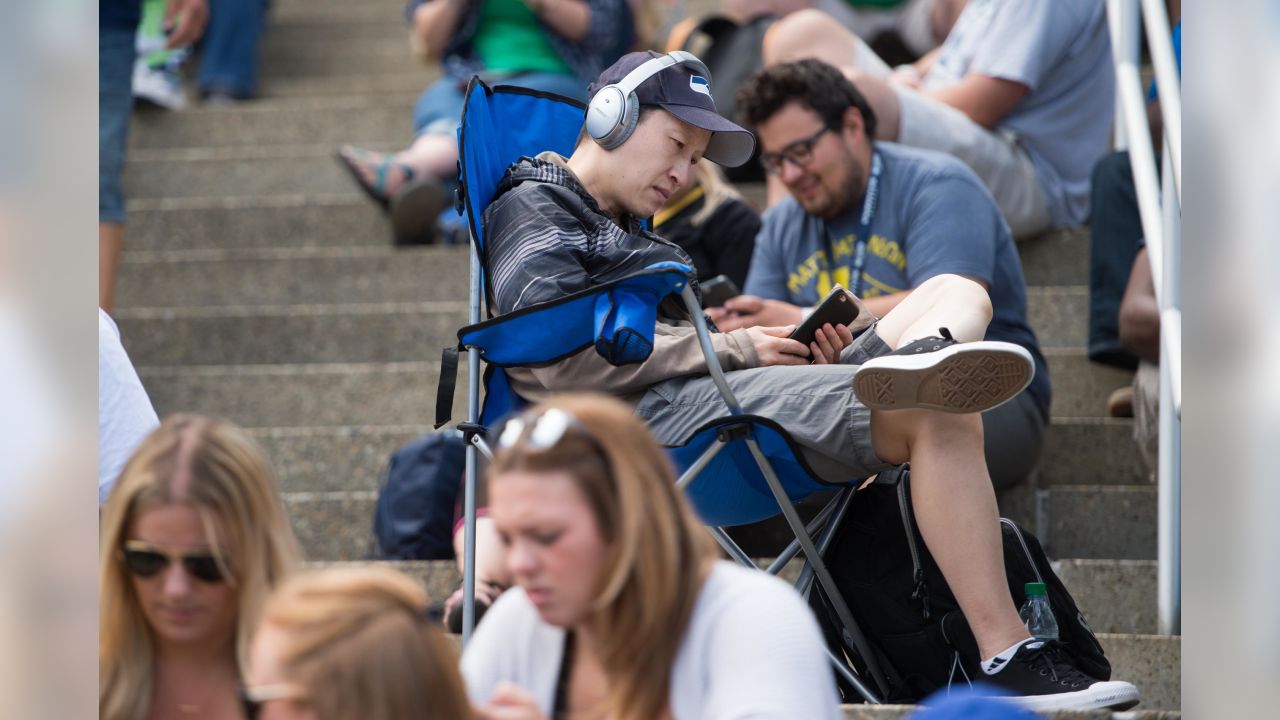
(1159, 199)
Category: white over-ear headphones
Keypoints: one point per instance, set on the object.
(614, 112)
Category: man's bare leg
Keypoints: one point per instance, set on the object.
(955, 509)
(110, 244)
(950, 487)
(814, 34)
(957, 303)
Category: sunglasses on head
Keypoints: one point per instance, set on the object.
(540, 432)
(253, 698)
(147, 561)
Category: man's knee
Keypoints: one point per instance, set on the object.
(958, 291)
(807, 33)
(897, 434)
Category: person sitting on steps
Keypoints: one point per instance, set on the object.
(908, 388)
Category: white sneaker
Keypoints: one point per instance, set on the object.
(159, 86)
(938, 373)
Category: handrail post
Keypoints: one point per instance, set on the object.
(1169, 463)
(1126, 44)
(469, 485)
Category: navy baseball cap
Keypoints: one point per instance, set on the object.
(684, 92)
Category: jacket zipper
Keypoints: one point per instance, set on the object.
(921, 591)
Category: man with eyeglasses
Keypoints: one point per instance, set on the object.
(879, 219)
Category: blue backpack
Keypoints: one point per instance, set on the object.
(413, 518)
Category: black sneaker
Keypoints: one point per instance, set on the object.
(938, 373)
(1043, 678)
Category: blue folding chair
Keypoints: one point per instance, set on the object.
(736, 470)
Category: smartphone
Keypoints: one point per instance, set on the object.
(837, 308)
(718, 290)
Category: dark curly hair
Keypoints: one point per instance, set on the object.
(813, 83)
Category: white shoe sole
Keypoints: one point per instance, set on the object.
(963, 378)
(1110, 695)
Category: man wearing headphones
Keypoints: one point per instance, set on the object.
(897, 393)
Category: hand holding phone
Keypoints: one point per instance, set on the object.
(839, 307)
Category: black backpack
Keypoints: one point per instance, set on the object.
(903, 605)
(413, 518)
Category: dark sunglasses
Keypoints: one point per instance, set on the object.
(800, 153)
(146, 561)
(253, 698)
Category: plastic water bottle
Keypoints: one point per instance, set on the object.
(1037, 614)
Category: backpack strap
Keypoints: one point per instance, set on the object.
(447, 385)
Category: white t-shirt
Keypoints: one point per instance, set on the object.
(125, 415)
(1061, 50)
(752, 650)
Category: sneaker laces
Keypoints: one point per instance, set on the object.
(1049, 661)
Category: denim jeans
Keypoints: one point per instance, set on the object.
(439, 108)
(115, 101)
(229, 49)
(1115, 238)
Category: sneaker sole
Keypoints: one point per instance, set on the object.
(415, 211)
(1109, 695)
(964, 378)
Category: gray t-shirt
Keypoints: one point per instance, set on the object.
(1062, 51)
(934, 217)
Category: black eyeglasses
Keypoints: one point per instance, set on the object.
(800, 153)
(147, 561)
(253, 698)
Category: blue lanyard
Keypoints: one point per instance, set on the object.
(869, 202)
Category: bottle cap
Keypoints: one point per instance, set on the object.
(1033, 589)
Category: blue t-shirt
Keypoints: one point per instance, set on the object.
(1061, 50)
(934, 217)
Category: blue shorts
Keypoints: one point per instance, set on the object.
(439, 109)
(115, 101)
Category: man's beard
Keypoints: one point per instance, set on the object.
(845, 196)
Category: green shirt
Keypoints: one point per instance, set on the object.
(511, 39)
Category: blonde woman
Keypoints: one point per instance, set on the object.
(193, 540)
(352, 643)
(621, 610)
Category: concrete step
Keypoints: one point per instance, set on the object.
(381, 332)
(377, 118)
(329, 459)
(1087, 521)
(408, 79)
(292, 276)
(1056, 258)
(367, 56)
(308, 395)
(292, 11)
(1090, 451)
(238, 172)
(1118, 596)
(276, 222)
(1081, 387)
(347, 332)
